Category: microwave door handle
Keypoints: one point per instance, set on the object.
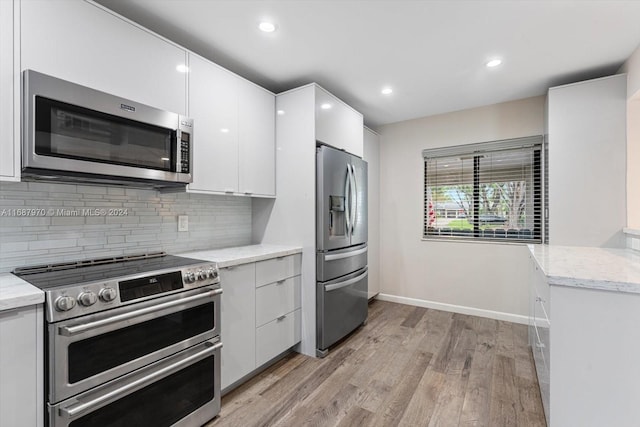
(82, 408)
(75, 330)
(347, 181)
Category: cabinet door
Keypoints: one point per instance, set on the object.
(8, 160)
(238, 322)
(256, 127)
(21, 388)
(277, 336)
(277, 299)
(337, 124)
(83, 43)
(213, 105)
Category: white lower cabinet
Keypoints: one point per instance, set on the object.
(277, 299)
(238, 322)
(539, 332)
(277, 336)
(21, 367)
(259, 320)
(275, 269)
(587, 366)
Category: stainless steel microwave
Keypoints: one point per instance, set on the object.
(75, 133)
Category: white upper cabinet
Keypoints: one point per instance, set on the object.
(213, 105)
(83, 43)
(257, 140)
(10, 157)
(234, 132)
(337, 124)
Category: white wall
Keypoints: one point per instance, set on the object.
(632, 68)
(587, 158)
(372, 156)
(483, 277)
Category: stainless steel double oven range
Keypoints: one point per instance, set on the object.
(131, 341)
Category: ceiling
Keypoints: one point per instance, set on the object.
(432, 53)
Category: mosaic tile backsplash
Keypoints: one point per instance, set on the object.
(44, 223)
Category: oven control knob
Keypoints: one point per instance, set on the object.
(65, 303)
(190, 277)
(202, 274)
(107, 294)
(87, 298)
(211, 272)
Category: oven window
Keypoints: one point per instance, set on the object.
(69, 131)
(102, 352)
(162, 403)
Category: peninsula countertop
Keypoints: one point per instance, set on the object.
(606, 269)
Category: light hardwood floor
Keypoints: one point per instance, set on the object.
(409, 366)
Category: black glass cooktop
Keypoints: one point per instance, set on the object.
(85, 272)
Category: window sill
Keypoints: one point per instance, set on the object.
(482, 242)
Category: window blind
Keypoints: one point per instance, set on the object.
(489, 191)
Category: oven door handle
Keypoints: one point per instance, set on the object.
(82, 408)
(69, 331)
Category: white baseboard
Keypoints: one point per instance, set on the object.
(472, 311)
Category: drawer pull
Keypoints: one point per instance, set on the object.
(538, 299)
(281, 318)
(540, 345)
(280, 282)
(280, 258)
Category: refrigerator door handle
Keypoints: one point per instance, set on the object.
(333, 287)
(347, 201)
(334, 257)
(354, 198)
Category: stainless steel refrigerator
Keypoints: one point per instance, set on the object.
(341, 243)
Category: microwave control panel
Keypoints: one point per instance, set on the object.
(185, 149)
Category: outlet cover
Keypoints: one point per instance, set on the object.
(183, 223)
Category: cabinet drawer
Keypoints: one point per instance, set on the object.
(275, 299)
(275, 269)
(540, 358)
(541, 309)
(277, 336)
(541, 288)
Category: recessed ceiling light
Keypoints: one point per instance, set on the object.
(267, 27)
(166, 159)
(494, 63)
(280, 112)
(224, 130)
(386, 91)
(182, 68)
(325, 106)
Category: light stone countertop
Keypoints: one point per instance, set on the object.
(228, 257)
(604, 269)
(16, 293)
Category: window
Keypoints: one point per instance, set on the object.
(487, 191)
